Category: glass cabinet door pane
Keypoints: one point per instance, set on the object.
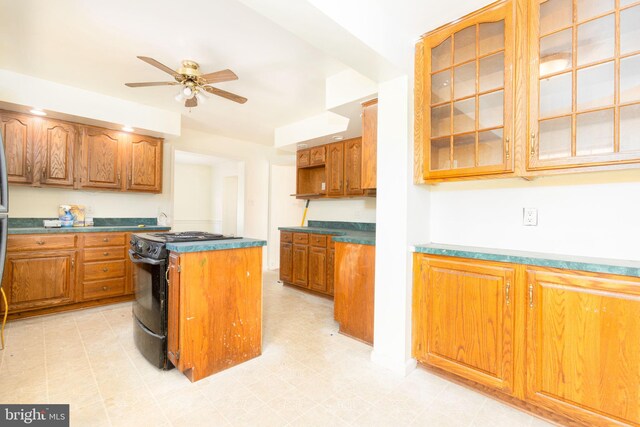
(555, 95)
(491, 110)
(491, 37)
(464, 80)
(630, 128)
(556, 52)
(596, 40)
(464, 42)
(590, 8)
(441, 120)
(464, 151)
(554, 139)
(630, 79)
(630, 30)
(490, 148)
(441, 87)
(441, 153)
(464, 116)
(441, 56)
(627, 2)
(596, 86)
(594, 133)
(491, 72)
(554, 15)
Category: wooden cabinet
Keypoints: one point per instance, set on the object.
(302, 158)
(144, 164)
(17, 136)
(215, 310)
(335, 169)
(306, 260)
(56, 153)
(583, 96)
(353, 167)
(464, 319)
(46, 273)
(101, 163)
(48, 152)
(561, 343)
(39, 279)
(369, 144)
(286, 257)
(583, 345)
(317, 155)
(331, 256)
(354, 290)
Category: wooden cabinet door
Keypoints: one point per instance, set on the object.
(369, 144)
(331, 256)
(144, 164)
(335, 169)
(101, 159)
(353, 167)
(463, 318)
(286, 262)
(464, 96)
(17, 136)
(583, 345)
(39, 279)
(300, 269)
(173, 307)
(55, 150)
(583, 98)
(303, 158)
(318, 269)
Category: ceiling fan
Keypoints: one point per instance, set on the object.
(193, 83)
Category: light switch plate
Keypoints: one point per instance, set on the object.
(530, 217)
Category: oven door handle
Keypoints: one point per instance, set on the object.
(142, 260)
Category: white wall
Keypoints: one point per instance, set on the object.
(593, 214)
(192, 199)
(353, 210)
(219, 172)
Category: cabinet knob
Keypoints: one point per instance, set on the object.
(106, 239)
(105, 288)
(40, 242)
(105, 269)
(106, 254)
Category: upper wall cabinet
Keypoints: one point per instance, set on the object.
(464, 96)
(56, 152)
(585, 83)
(101, 158)
(144, 164)
(17, 136)
(369, 144)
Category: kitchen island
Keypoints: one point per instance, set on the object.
(215, 305)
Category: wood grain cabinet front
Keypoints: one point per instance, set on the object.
(101, 161)
(318, 269)
(369, 144)
(18, 137)
(306, 260)
(144, 164)
(300, 265)
(55, 153)
(335, 169)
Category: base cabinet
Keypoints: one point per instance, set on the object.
(561, 342)
(306, 261)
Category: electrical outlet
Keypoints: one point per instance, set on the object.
(530, 216)
(323, 186)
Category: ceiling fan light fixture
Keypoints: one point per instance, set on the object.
(201, 97)
(187, 92)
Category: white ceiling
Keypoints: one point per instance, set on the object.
(92, 44)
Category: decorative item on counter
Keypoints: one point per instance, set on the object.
(64, 213)
(163, 219)
(88, 217)
(52, 223)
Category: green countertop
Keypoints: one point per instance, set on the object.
(568, 262)
(339, 235)
(103, 229)
(214, 245)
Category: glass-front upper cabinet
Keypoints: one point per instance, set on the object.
(467, 96)
(585, 83)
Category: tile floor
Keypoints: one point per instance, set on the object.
(308, 375)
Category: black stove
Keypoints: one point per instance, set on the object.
(150, 258)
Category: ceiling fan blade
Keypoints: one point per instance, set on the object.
(158, 65)
(223, 93)
(191, 102)
(144, 84)
(219, 76)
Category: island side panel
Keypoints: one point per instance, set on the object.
(222, 309)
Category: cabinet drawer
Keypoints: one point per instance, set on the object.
(317, 156)
(303, 158)
(30, 242)
(103, 270)
(104, 239)
(103, 288)
(301, 238)
(318, 240)
(286, 237)
(104, 254)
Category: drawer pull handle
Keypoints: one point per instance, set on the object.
(40, 242)
(106, 239)
(106, 254)
(105, 269)
(508, 292)
(105, 288)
